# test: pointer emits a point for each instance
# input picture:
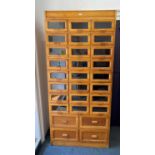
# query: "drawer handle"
(64, 135)
(94, 136)
(94, 122)
(65, 121)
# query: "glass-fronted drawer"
(79, 87)
(57, 64)
(101, 76)
(57, 52)
(102, 38)
(101, 87)
(79, 109)
(57, 108)
(79, 98)
(79, 25)
(58, 98)
(79, 64)
(58, 87)
(99, 109)
(58, 76)
(56, 25)
(79, 39)
(102, 52)
(79, 52)
(78, 76)
(101, 64)
(57, 38)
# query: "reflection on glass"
(79, 108)
(79, 25)
(103, 25)
(100, 109)
(100, 87)
(58, 63)
(79, 51)
(58, 97)
(100, 98)
(58, 75)
(79, 98)
(56, 25)
(79, 87)
(79, 75)
(58, 108)
(102, 39)
(58, 86)
(101, 76)
(56, 38)
(102, 52)
(79, 63)
(57, 51)
(79, 39)
(101, 64)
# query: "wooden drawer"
(57, 64)
(101, 88)
(64, 134)
(79, 108)
(78, 87)
(58, 98)
(101, 64)
(101, 76)
(58, 87)
(58, 76)
(78, 76)
(90, 135)
(94, 122)
(79, 98)
(79, 52)
(79, 38)
(102, 52)
(99, 109)
(58, 108)
(79, 64)
(57, 52)
(64, 121)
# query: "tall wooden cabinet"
(80, 54)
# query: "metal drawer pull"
(94, 136)
(94, 122)
(64, 135)
(65, 121)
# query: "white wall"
(41, 6)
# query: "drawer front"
(101, 76)
(79, 98)
(88, 135)
(58, 108)
(57, 52)
(58, 98)
(99, 110)
(58, 87)
(94, 122)
(79, 108)
(64, 134)
(78, 87)
(64, 121)
(58, 76)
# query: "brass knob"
(94, 136)
(94, 122)
(64, 135)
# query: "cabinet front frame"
(58, 101)
(58, 112)
(99, 113)
(81, 102)
(57, 91)
(79, 105)
(78, 91)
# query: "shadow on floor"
(48, 149)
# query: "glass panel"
(103, 25)
(100, 87)
(79, 87)
(57, 51)
(102, 39)
(58, 63)
(58, 86)
(79, 51)
(100, 98)
(102, 51)
(58, 97)
(79, 25)
(79, 98)
(58, 108)
(100, 109)
(101, 64)
(79, 38)
(101, 76)
(56, 38)
(56, 25)
(79, 63)
(79, 108)
(79, 75)
(58, 75)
